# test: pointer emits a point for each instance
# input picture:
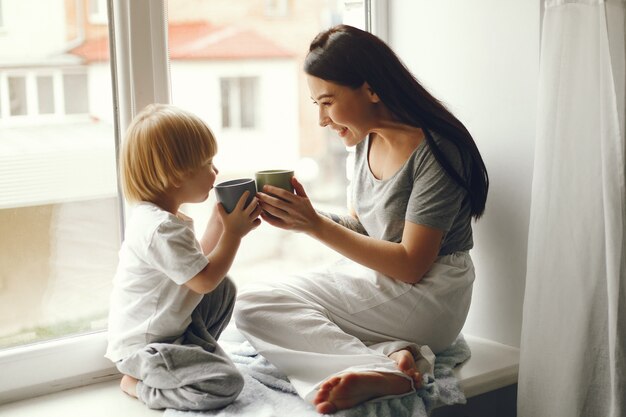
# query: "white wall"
(100, 91)
(44, 34)
(481, 58)
(274, 144)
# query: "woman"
(364, 328)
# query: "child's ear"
(371, 94)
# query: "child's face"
(196, 187)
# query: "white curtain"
(573, 349)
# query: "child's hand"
(241, 220)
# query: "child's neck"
(168, 204)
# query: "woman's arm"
(349, 221)
(406, 261)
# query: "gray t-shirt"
(420, 192)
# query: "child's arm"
(212, 233)
(235, 226)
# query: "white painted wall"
(481, 58)
(274, 144)
(195, 87)
(45, 32)
(100, 91)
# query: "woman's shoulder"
(452, 152)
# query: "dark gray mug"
(229, 192)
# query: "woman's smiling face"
(350, 112)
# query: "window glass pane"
(75, 93)
(59, 225)
(246, 81)
(97, 11)
(94, 7)
(17, 95)
(276, 8)
(45, 94)
(247, 100)
(225, 101)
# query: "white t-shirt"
(150, 302)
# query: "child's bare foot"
(406, 363)
(346, 391)
(129, 385)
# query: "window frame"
(137, 80)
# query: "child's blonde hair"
(163, 144)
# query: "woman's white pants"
(348, 318)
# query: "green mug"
(280, 178)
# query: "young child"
(171, 297)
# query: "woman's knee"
(255, 306)
(245, 308)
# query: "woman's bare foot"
(346, 391)
(406, 363)
(129, 385)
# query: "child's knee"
(230, 288)
(222, 391)
(236, 383)
(227, 291)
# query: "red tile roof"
(200, 40)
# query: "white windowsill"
(492, 366)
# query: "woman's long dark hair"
(349, 56)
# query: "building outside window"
(17, 95)
(276, 8)
(32, 93)
(45, 94)
(239, 104)
(98, 12)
